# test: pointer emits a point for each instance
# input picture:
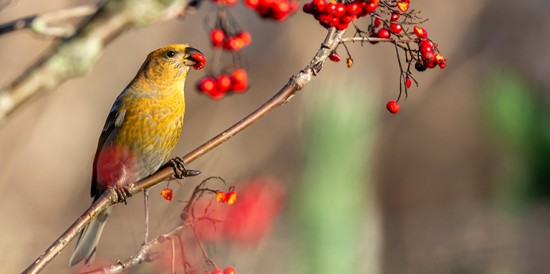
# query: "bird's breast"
(151, 130)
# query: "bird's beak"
(194, 58)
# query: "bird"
(140, 132)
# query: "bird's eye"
(170, 53)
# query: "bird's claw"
(179, 169)
(123, 193)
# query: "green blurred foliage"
(520, 124)
(330, 199)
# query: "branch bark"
(42, 23)
(296, 82)
(73, 56)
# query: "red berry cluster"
(221, 39)
(218, 87)
(429, 55)
(228, 270)
(339, 14)
(278, 10)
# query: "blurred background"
(457, 182)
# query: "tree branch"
(296, 82)
(73, 56)
(41, 23)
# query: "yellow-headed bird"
(141, 131)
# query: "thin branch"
(42, 24)
(73, 56)
(374, 39)
(296, 82)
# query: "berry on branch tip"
(167, 194)
(334, 57)
(392, 106)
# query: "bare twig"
(43, 23)
(374, 39)
(73, 56)
(296, 82)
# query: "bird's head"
(170, 64)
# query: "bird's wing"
(112, 124)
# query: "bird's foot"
(179, 169)
(123, 193)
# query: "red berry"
(220, 196)
(440, 61)
(396, 28)
(342, 26)
(207, 84)
(371, 6)
(217, 271)
(294, 6)
(346, 19)
(353, 8)
(340, 10)
(319, 5)
(280, 11)
(430, 63)
(230, 2)
(233, 43)
(428, 57)
(245, 37)
(239, 78)
(383, 33)
(253, 4)
(426, 47)
(392, 106)
(217, 36)
(325, 20)
(394, 17)
(167, 194)
(230, 199)
(330, 8)
(334, 57)
(420, 32)
(408, 82)
(377, 22)
(308, 8)
(224, 82)
(230, 270)
(403, 6)
(335, 21)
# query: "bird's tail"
(89, 237)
